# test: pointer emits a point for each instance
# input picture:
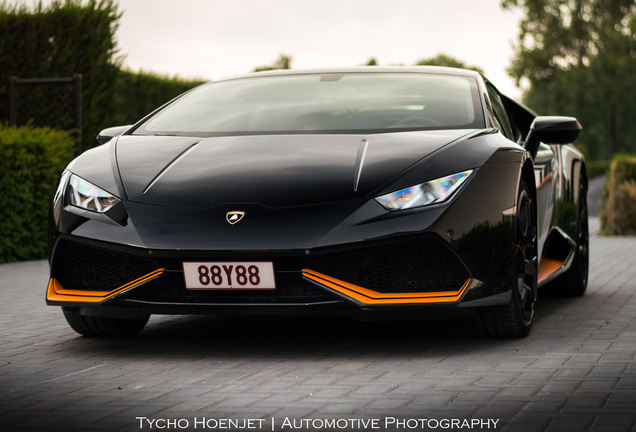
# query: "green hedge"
(138, 94)
(78, 36)
(597, 168)
(618, 214)
(59, 40)
(31, 162)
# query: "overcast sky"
(212, 39)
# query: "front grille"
(422, 265)
(82, 267)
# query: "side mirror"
(551, 130)
(107, 134)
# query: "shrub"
(597, 168)
(618, 214)
(31, 162)
(136, 95)
(76, 37)
(60, 40)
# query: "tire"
(574, 282)
(515, 319)
(102, 326)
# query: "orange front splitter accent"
(57, 293)
(548, 266)
(370, 297)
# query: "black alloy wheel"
(526, 262)
(515, 319)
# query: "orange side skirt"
(548, 266)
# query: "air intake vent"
(87, 268)
(422, 265)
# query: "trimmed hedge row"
(618, 214)
(60, 40)
(138, 94)
(597, 168)
(31, 162)
(78, 36)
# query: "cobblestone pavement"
(576, 371)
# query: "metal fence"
(47, 102)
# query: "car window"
(500, 113)
(363, 102)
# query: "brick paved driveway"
(576, 371)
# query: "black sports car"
(371, 192)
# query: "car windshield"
(323, 103)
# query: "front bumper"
(400, 272)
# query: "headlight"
(87, 196)
(432, 192)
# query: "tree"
(282, 62)
(448, 61)
(578, 57)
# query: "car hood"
(272, 170)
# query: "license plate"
(225, 275)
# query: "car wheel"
(103, 326)
(574, 282)
(515, 319)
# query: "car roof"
(362, 69)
